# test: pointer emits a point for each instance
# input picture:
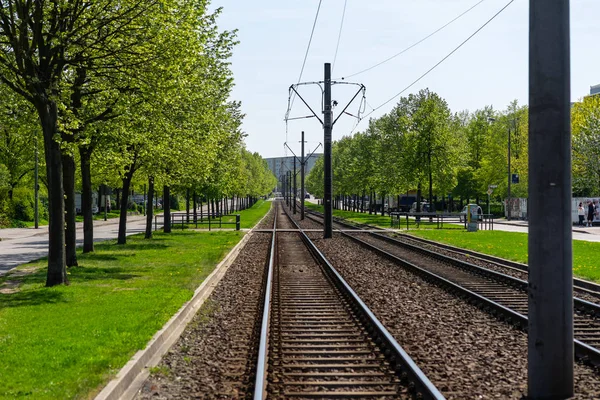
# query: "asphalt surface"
(21, 245)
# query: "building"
(594, 90)
(281, 165)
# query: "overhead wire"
(337, 46)
(312, 32)
(441, 61)
(414, 44)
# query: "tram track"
(318, 339)
(501, 294)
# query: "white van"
(425, 207)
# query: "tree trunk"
(187, 206)
(431, 205)
(69, 188)
(118, 197)
(195, 206)
(85, 154)
(149, 208)
(57, 271)
(167, 208)
(122, 237)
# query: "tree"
(586, 146)
(42, 42)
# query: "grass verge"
(66, 342)
(248, 218)
(380, 220)
(513, 246)
(507, 245)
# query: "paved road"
(21, 245)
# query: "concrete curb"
(132, 376)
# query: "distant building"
(594, 90)
(280, 165)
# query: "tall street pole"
(508, 205)
(295, 186)
(289, 179)
(302, 165)
(36, 213)
(550, 339)
(327, 128)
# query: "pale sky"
(491, 69)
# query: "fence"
(486, 221)
(211, 220)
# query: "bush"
(22, 205)
(174, 202)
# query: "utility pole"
(302, 167)
(295, 186)
(550, 338)
(328, 122)
(327, 128)
(36, 213)
(289, 185)
(508, 203)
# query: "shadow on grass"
(99, 273)
(30, 298)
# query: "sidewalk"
(592, 230)
(21, 245)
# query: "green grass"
(513, 246)
(382, 221)
(15, 223)
(66, 342)
(507, 245)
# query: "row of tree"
(123, 91)
(422, 144)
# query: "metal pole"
(106, 202)
(550, 339)
(302, 164)
(289, 191)
(509, 179)
(327, 128)
(36, 214)
(295, 187)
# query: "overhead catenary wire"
(312, 32)
(441, 61)
(412, 45)
(337, 46)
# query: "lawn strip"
(68, 341)
(513, 246)
(383, 221)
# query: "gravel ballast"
(464, 351)
(216, 354)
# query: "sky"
(490, 69)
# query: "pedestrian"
(581, 213)
(590, 214)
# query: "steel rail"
(417, 379)
(260, 385)
(512, 281)
(582, 350)
(579, 284)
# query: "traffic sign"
(490, 191)
(492, 186)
